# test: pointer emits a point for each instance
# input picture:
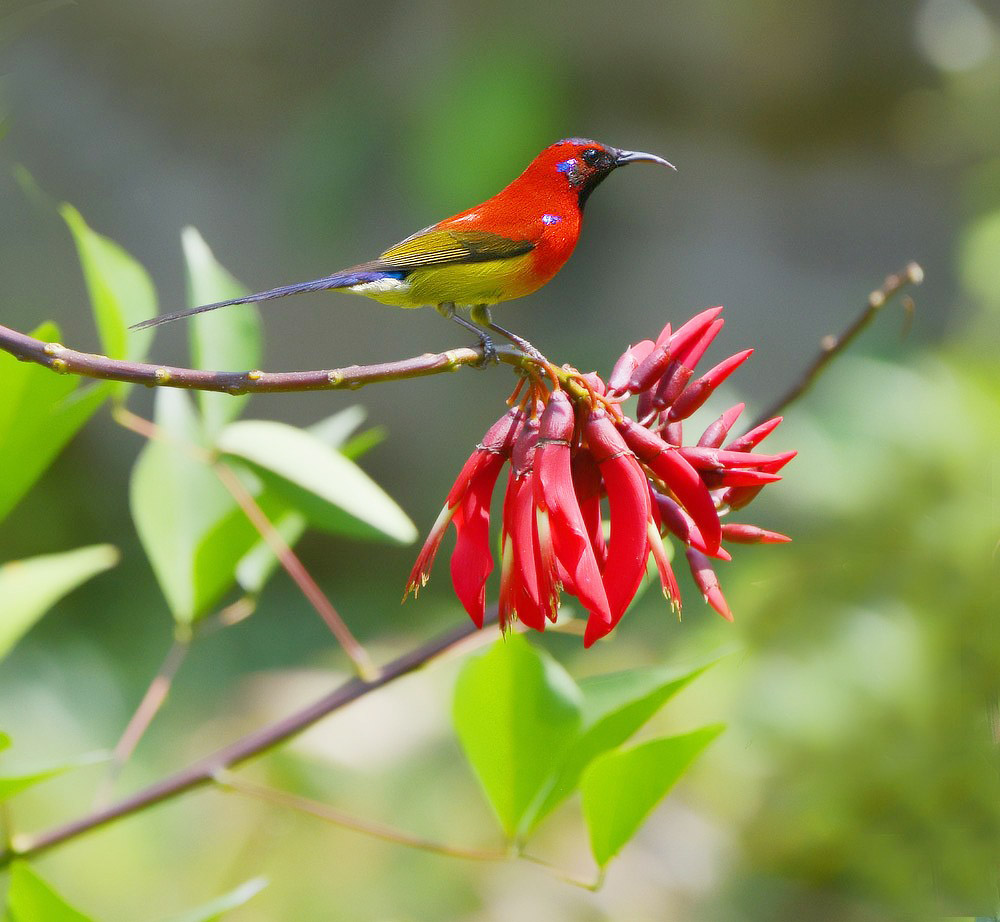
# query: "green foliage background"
(820, 145)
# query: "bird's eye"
(591, 156)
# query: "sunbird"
(507, 247)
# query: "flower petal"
(628, 497)
(679, 476)
(421, 571)
(556, 496)
(667, 579)
(499, 439)
(471, 561)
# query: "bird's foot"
(519, 341)
(490, 354)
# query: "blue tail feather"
(344, 279)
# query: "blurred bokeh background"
(820, 145)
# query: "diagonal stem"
(233, 782)
(282, 550)
(294, 567)
(159, 688)
(253, 744)
(831, 346)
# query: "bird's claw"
(490, 354)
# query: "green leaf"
(14, 784)
(40, 411)
(223, 340)
(257, 566)
(620, 789)
(516, 712)
(4, 742)
(191, 528)
(29, 588)
(364, 442)
(259, 563)
(335, 430)
(31, 899)
(223, 904)
(615, 706)
(121, 291)
(333, 493)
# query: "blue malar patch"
(567, 166)
(550, 219)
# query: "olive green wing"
(432, 247)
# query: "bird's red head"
(579, 165)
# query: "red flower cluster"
(570, 448)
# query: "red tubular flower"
(678, 475)
(468, 505)
(570, 447)
(628, 498)
(558, 505)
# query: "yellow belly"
(463, 283)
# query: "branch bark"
(831, 346)
(64, 360)
(253, 744)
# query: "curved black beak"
(623, 157)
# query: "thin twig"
(149, 706)
(159, 688)
(281, 549)
(831, 346)
(63, 360)
(233, 782)
(253, 744)
(363, 664)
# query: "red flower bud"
(698, 392)
(755, 436)
(629, 362)
(650, 369)
(708, 582)
(673, 433)
(716, 432)
(692, 330)
(751, 534)
(738, 477)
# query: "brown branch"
(253, 744)
(286, 557)
(294, 567)
(63, 360)
(831, 346)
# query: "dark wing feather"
(442, 247)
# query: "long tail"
(344, 279)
